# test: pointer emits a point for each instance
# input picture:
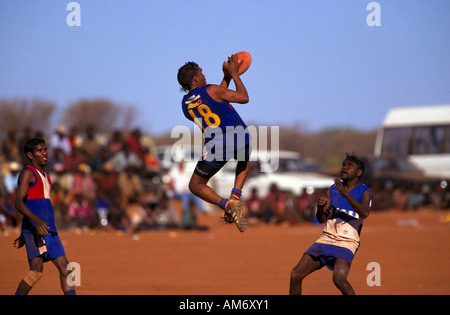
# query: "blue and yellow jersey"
(216, 119)
(343, 226)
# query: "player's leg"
(305, 266)
(198, 186)
(32, 277)
(242, 156)
(61, 263)
(242, 170)
(236, 207)
(340, 272)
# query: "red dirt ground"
(220, 261)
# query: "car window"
(289, 165)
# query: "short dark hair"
(354, 159)
(185, 75)
(31, 145)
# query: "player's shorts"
(53, 245)
(209, 167)
(327, 254)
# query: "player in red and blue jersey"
(344, 209)
(225, 133)
(38, 233)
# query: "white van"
(422, 134)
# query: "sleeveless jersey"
(38, 201)
(223, 129)
(343, 226)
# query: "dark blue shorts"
(53, 245)
(327, 254)
(209, 166)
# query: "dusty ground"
(412, 249)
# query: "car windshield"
(288, 165)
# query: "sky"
(315, 64)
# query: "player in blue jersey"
(38, 233)
(225, 133)
(344, 209)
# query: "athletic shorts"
(327, 254)
(208, 168)
(53, 244)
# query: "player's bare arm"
(25, 179)
(362, 208)
(226, 76)
(323, 208)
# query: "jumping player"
(346, 205)
(38, 234)
(225, 133)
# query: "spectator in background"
(9, 217)
(90, 147)
(107, 182)
(254, 205)
(103, 207)
(81, 212)
(57, 160)
(179, 184)
(101, 158)
(73, 137)
(275, 205)
(165, 215)
(60, 140)
(11, 177)
(134, 143)
(83, 183)
(437, 197)
(130, 185)
(117, 215)
(400, 198)
(63, 177)
(59, 199)
(73, 159)
(304, 202)
(150, 161)
(125, 158)
(416, 198)
(116, 142)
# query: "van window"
(404, 141)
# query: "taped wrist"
(32, 277)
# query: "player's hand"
(340, 186)
(233, 64)
(19, 242)
(42, 228)
(226, 73)
(322, 202)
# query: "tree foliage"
(21, 113)
(104, 114)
